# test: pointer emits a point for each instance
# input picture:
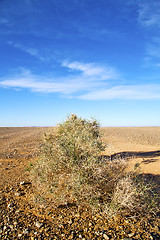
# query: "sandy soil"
(19, 147)
(19, 219)
(140, 144)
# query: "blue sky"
(97, 58)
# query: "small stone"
(17, 194)
(70, 221)
(11, 227)
(22, 183)
(126, 239)
(10, 205)
(25, 231)
(4, 228)
(25, 183)
(105, 236)
(130, 235)
(19, 235)
(38, 224)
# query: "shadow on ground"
(155, 190)
(127, 155)
(151, 154)
(148, 157)
(154, 178)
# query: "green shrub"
(70, 169)
(76, 142)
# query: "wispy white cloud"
(89, 78)
(92, 70)
(132, 92)
(44, 85)
(149, 19)
(31, 51)
(153, 48)
(152, 58)
(91, 82)
(149, 13)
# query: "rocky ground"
(20, 218)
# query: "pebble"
(17, 194)
(10, 205)
(130, 235)
(38, 224)
(11, 227)
(70, 221)
(126, 239)
(105, 236)
(4, 228)
(25, 231)
(22, 183)
(25, 183)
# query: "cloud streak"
(44, 85)
(149, 13)
(88, 77)
(130, 92)
(149, 19)
(31, 51)
(91, 79)
(92, 70)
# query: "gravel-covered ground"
(20, 218)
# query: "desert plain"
(19, 150)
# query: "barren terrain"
(139, 144)
(19, 149)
